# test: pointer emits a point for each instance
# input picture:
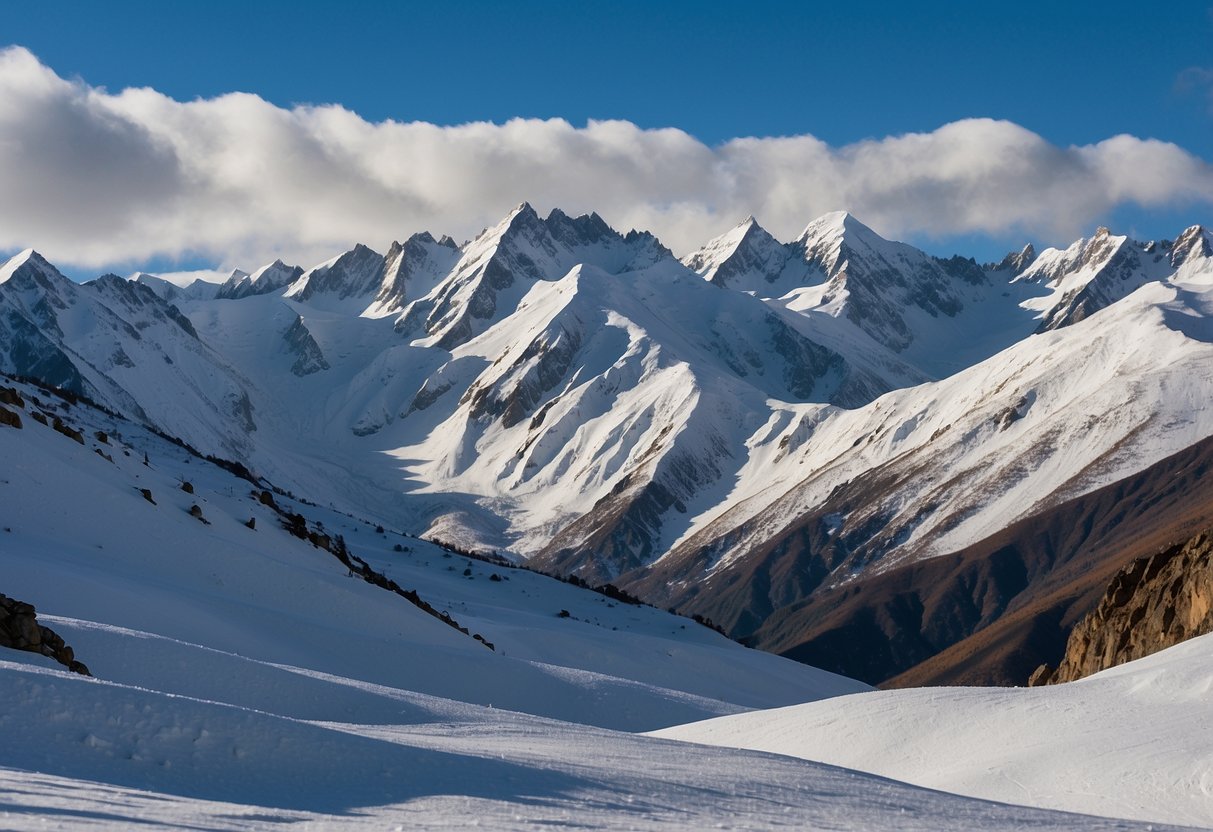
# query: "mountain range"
(840, 448)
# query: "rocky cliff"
(1153, 603)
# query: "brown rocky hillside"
(1153, 603)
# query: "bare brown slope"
(991, 613)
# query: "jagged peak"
(583, 229)
(744, 230)
(521, 217)
(31, 259)
(15, 262)
(835, 226)
(1016, 262)
(1194, 242)
(420, 237)
(741, 231)
(522, 214)
(448, 241)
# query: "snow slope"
(1135, 741)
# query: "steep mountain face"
(1153, 603)
(743, 433)
(1093, 274)
(354, 274)
(929, 470)
(499, 267)
(919, 307)
(119, 343)
(412, 270)
(628, 395)
(749, 259)
(989, 613)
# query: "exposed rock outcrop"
(1153, 603)
(20, 630)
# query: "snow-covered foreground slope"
(106, 755)
(1135, 741)
(244, 677)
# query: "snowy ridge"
(268, 278)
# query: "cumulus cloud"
(93, 178)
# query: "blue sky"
(1071, 73)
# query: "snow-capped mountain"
(268, 278)
(496, 270)
(733, 432)
(117, 342)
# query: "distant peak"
(1194, 242)
(20, 259)
(835, 223)
(524, 209)
(1017, 262)
(448, 241)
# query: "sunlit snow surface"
(1135, 741)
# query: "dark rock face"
(1153, 603)
(309, 358)
(20, 630)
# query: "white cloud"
(94, 178)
